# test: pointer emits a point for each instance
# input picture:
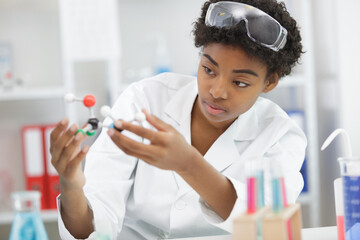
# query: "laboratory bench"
(322, 233)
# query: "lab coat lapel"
(185, 129)
(223, 152)
(178, 110)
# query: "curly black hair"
(280, 62)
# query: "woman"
(182, 174)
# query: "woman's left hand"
(168, 149)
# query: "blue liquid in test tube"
(260, 186)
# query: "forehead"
(232, 55)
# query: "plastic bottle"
(162, 60)
(27, 223)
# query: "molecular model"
(93, 122)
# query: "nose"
(219, 88)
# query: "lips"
(214, 109)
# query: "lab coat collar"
(246, 125)
(180, 106)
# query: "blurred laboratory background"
(49, 48)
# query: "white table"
(323, 233)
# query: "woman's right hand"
(67, 155)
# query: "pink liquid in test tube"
(283, 191)
(251, 195)
(339, 208)
(340, 227)
(288, 223)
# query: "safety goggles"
(261, 28)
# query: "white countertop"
(323, 233)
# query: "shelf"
(18, 94)
(46, 215)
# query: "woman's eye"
(241, 84)
(208, 70)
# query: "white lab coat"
(134, 200)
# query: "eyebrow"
(247, 71)
(211, 59)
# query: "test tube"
(254, 169)
(251, 183)
(339, 208)
(260, 184)
(279, 191)
(278, 187)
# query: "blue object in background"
(162, 69)
(299, 117)
(351, 188)
(162, 59)
(28, 226)
(353, 233)
(27, 223)
(303, 171)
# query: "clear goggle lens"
(261, 27)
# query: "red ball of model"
(89, 100)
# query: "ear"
(271, 82)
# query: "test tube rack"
(274, 225)
(246, 225)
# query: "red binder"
(39, 173)
(33, 159)
(53, 186)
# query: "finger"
(70, 151)
(138, 130)
(55, 133)
(130, 146)
(76, 161)
(148, 159)
(156, 122)
(84, 125)
(81, 131)
(62, 141)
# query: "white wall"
(348, 35)
(32, 28)
(172, 19)
(326, 67)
